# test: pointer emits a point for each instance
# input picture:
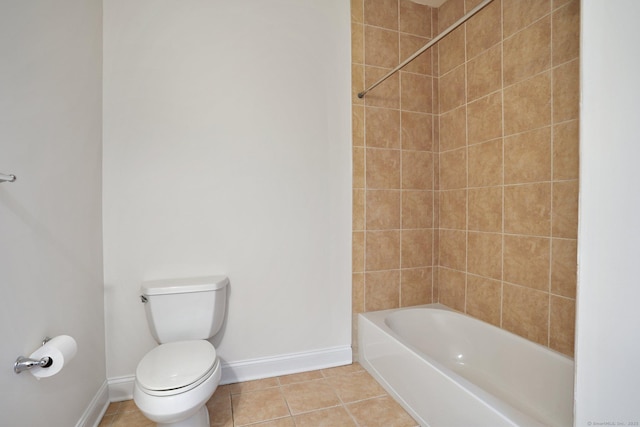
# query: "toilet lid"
(175, 364)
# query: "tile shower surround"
(394, 157)
(465, 186)
(344, 396)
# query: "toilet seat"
(176, 367)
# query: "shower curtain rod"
(455, 25)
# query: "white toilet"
(175, 380)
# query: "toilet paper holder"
(25, 363)
(7, 178)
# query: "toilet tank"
(185, 309)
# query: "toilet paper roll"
(60, 349)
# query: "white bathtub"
(448, 369)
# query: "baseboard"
(121, 388)
(96, 409)
(266, 367)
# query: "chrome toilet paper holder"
(24, 363)
(7, 178)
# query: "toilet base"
(199, 419)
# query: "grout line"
(346, 409)
(436, 69)
(428, 38)
(434, 159)
(501, 323)
(551, 189)
(364, 208)
(466, 151)
(286, 402)
(399, 299)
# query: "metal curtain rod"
(455, 25)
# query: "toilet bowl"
(175, 380)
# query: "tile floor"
(345, 396)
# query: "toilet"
(175, 380)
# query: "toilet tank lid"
(185, 285)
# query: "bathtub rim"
(380, 316)
(496, 405)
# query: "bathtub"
(448, 369)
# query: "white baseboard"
(121, 388)
(96, 409)
(266, 367)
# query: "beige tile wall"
(508, 193)
(466, 163)
(393, 157)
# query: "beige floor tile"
(258, 406)
(113, 408)
(280, 422)
(131, 419)
(224, 390)
(342, 370)
(345, 396)
(332, 417)
(252, 385)
(219, 407)
(380, 412)
(128, 406)
(356, 386)
(106, 421)
(301, 377)
(310, 396)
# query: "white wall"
(193, 188)
(608, 348)
(50, 219)
(227, 151)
